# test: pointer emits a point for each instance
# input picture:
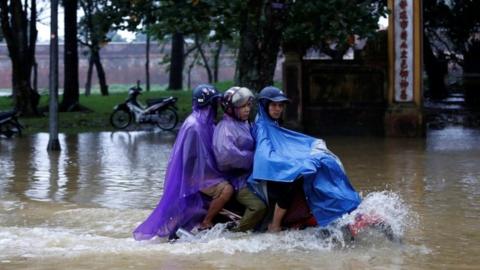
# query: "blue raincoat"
(283, 155)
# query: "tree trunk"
(261, 31)
(472, 57)
(100, 72)
(204, 59)
(248, 53)
(471, 73)
(176, 62)
(31, 47)
(147, 61)
(70, 89)
(189, 70)
(216, 60)
(35, 75)
(88, 83)
(436, 71)
(21, 48)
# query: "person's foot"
(274, 228)
(232, 226)
(205, 225)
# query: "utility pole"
(53, 143)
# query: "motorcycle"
(160, 111)
(299, 217)
(9, 124)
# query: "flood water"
(76, 209)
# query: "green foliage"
(135, 13)
(115, 37)
(312, 23)
(454, 25)
(300, 24)
(224, 85)
(99, 20)
(464, 23)
(457, 20)
(214, 18)
(6, 103)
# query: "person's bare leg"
(216, 205)
(278, 215)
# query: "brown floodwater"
(76, 209)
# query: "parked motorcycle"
(160, 111)
(9, 124)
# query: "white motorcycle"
(161, 112)
(9, 124)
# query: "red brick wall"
(124, 63)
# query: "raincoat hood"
(191, 167)
(283, 155)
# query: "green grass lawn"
(97, 118)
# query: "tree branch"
(204, 58)
(6, 29)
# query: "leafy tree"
(99, 19)
(115, 37)
(464, 31)
(138, 13)
(205, 22)
(18, 21)
(323, 23)
(265, 26)
(147, 13)
(216, 25)
(435, 19)
(261, 28)
(451, 26)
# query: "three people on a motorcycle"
(218, 161)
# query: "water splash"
(92, 231)
(218, 239)
(388, 207)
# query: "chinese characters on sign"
(403, 14)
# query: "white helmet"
(236, 97)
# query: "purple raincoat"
(234, 147)
(191, 167)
